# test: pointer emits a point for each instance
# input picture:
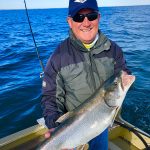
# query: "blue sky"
(18, 4)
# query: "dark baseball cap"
(77, 5)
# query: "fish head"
(117, 87)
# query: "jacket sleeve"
(120, 62)
(53, 93)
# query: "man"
(80, 65)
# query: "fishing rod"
(37, 52)
(136, 132)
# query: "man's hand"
(48, 134)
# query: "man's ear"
(69, 20)
(99, 17)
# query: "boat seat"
(112, 146)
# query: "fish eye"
(116, 83)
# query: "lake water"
(20, 84)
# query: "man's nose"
(86, 22)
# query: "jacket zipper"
(92, 72)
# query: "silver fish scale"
(86, 127)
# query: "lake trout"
(91, 118)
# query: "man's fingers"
(48, 134)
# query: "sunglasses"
(80, 17)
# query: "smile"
(86, 30)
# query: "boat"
(122, 136)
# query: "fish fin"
(64, 117)
(41, 121)
(116, 112)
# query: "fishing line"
(41, 64)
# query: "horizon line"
(67, 7)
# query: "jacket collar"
(103, 43)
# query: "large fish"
(92, 117)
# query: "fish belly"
(87, 126)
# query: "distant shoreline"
(66, 7)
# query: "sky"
(19, 4)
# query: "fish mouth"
(126, 80)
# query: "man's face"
(85, 31)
